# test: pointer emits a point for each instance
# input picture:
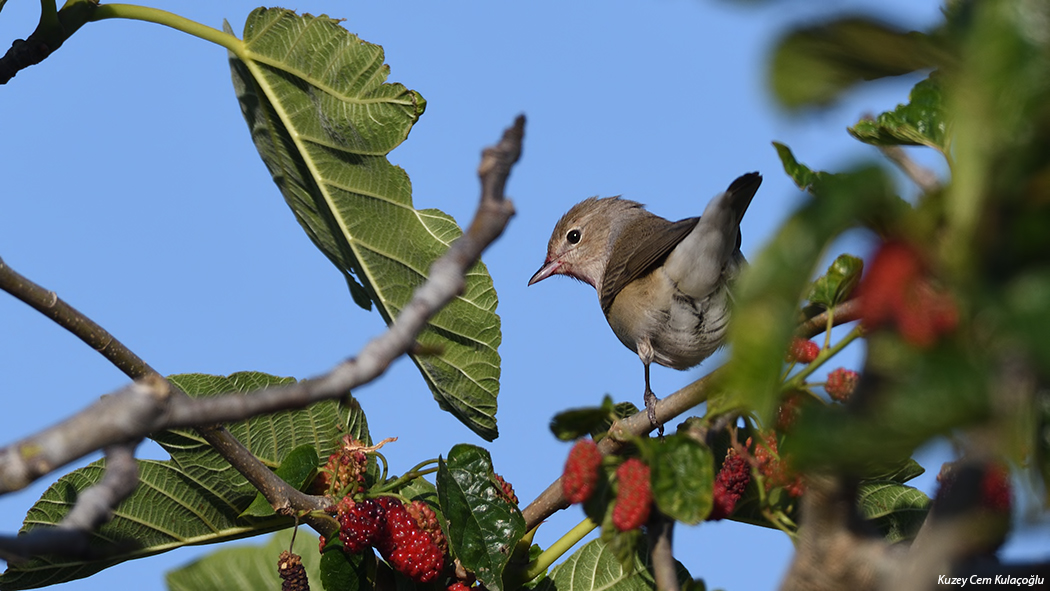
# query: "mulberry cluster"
(802, 351)
(409, 538)
(344, 473)
(359, 523)
(897, 290)
(581, 471)
(730, 484)
(773, 468)
(409, 546)
(841, 383)
(634, 495)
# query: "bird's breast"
(681, 330)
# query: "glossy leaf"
(342, 572)
(193, 498)
(682, 476)
(923, 121)
(323, 119)
(245, 568)
(813, 65)
(483, 527)
(835, 286)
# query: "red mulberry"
(581, 471)
(634, 497)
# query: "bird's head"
(582, 239)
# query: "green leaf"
(595, 567)
(682, 476)
(342, 572)
(296, 469)
(835, 286)
(923, 121)
(803, 176)
(323, 120)
(813, 65)
(483, 527)
(897, 510)
(591, 420)
(245, 567)
(194, 498)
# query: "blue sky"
(133, 190)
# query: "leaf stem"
(168, 19)
(557, 549)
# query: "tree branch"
(152, 404)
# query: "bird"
(663, 286)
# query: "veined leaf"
(897, 510)
(323, 119)
(595, 566)
(194, 498)
(246, 567)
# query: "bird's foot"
(650, 411)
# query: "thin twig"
(925, 178)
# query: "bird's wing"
(651, 239)
(696, 266)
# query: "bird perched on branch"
(663, 286)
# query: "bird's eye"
(573, 236)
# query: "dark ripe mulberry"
(581, 471)
(634, 495)
(293, 573)
(729, 485)
(359, 523)
(406, 545)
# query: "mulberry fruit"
(359, 523)
(729, 486)
(407, 546)
(293, 573)
(581, 471)
(841, 383)
(803, 350)
(634, 497)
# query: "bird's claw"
(650, 411)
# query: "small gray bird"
(663, 286)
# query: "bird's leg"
(650, 405)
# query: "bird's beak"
(549, 268)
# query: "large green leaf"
(595, 567)
(194, 498)
(323, 120)
(246, 567)
(921, 122)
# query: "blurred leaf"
(592, 420)
(595, 567)
(923, 121)
(483, 527)
(296, 469)
(814, 65)
(835, 286)
(910, 396)
(770, 290)
(194, 498)
(897, 510)
(245, 568)
(323, 120)
(800, 173)
(682, 475)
